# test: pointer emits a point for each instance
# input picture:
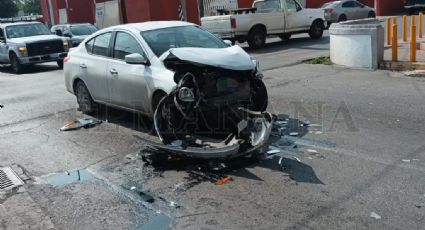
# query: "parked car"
(413, 6)
(28, 43)
(267, 17)
(76, 32)
(207, 99)
(338, 11)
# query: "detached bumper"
(43, 58)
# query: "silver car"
(338, 11)
(207, 99)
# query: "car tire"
(316, 30)
(261, 98)
(156, 98)
(285, 37)
(84, 99)
(17, 67)
(256, 38)
(60, 64)
(342, 18)
(371, 14)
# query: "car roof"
(18, 23)
(152, 25)
(73, 24)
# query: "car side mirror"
(228, 42)
(136, 59)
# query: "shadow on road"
(298, 43)
(31, 69)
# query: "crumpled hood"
(233, 58)
(30, 39)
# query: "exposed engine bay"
(213, 112)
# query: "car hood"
(232, 58)
(34, 38)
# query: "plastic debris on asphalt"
(375, 215)
(293, 134)
(311, 151)
(223, 180)
(81, 123)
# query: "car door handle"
(113, 71)
(83, 66)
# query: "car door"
(3, 47)
(270, 13)
(94, 64)
(295, 18)
(348, 8)
(127, 83)
(361, 10)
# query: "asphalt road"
(362, 158)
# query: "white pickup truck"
(266, 17)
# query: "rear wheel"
(60, 64)
(256, 38)
(316, 30)
(342, 18)
(17, 67)
(84, 99)
(285, 37)
(371, 14)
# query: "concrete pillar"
(378, 7)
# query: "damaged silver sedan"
(207, 99)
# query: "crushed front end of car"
(217, 109)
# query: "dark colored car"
(76, 32)
(413, 6)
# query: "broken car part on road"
(81, 123)
(217, 109)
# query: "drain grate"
(9, 179)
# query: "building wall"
(138, 10)
(80, 11)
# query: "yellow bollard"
(405, 28)
(388, 31)
(395, 21)
(421, 24)
(413, 43)
(395, 44)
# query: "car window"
(161, 40)
(268, 6)
(26, 30)
(348, 4)
(126, 44)
(89, 46)
(79, 30)
(292, 6)
(358, 4)
(101, 44)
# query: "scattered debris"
(293, 134)
(406, 160)
(61, 179)
(415, 73)
(375, 215)
(223, 180)
(132, 188)
(273, 150)
(318, 132)
(312, 151)
(81, 123)
(146, 196)
(419, 205)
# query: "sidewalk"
(403, 62)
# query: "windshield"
(79, 30)
(26, 30)
(161, 40)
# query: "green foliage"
(29, 6)
(8, 8)
(319, 60)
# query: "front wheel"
(256, 38)
(371, 14)
(316, 30)
(17, 67)
(84, 99)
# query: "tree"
(29, 6)
(8, 8)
